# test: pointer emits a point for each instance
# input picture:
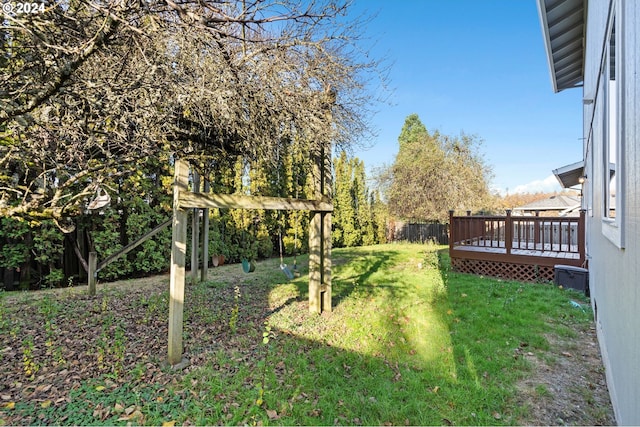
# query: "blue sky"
(477, 66)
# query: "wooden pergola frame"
(319, 237)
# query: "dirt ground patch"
(567, 385)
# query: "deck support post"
(178, 255)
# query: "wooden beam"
(513, 258)
(239, 201)
(178, 255)
(108, 260)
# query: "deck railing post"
(536, 230)
(508, 232)
(452, 234)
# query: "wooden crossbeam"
(239, 201)
(102, 264)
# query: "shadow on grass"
(391, 352)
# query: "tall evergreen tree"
(380, 217)
(354, 223)
(361, 209)
(413, 130)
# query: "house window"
(612, 140)
(611, 128)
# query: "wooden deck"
(533, 250)
(523, 248)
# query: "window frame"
(612, 146)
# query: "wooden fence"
(420, 232)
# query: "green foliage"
(107, 241)
(412, 131)
(434, 173)
(359, 214)
(14, 249)
(48, 248)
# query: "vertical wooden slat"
(492, 236)
(178, 255)
(536, 230)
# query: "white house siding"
(614, 271)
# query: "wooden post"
(92, 272)
(195, 232)
(320, 237)
(178, 255)
(452, 233)
(325, 289)
(325, 260)
(315, 250)
(315, 240)
(204, 276)
(508, 232)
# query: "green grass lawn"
(408, 343)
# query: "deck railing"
(540, 234)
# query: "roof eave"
(563, 23)
(547, 43)
(569, 176)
